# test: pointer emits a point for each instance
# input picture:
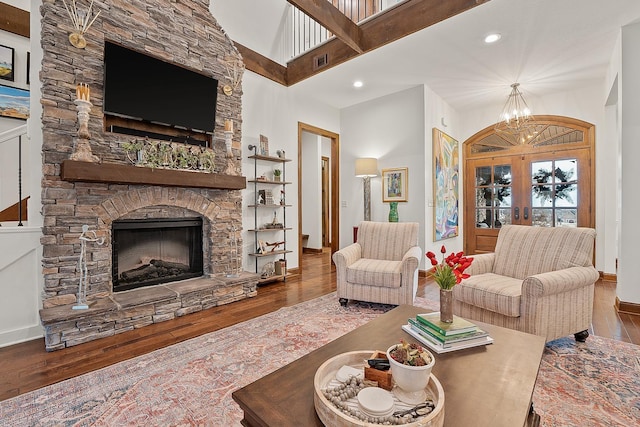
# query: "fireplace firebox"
(147, 252)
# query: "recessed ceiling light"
(357, 83)
(492, 38)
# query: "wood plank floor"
(27, 366)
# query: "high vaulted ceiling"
(547, 46)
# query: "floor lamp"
(365, 169)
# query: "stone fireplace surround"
(182, 32)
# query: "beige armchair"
(539, 280)
(382, 266)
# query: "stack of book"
(444, 337)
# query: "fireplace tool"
(234, 255)
(86, 236)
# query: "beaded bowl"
(340, 408)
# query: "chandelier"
(515, 117)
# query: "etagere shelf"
(275, 230)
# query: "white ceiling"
(547, 46)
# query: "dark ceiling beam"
(262, 65)
(333, 20)
(14, 20)
(389, 26)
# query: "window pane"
(504, 217)
(566, 195)
(483, 175)
(542, 217)
(541, 172)
(503, 197)
(566, 217)
(483, 197)
(483, 218)
(502, 175)
(566, 170)
(541, 196)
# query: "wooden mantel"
(73, 170)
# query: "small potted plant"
(276, 174)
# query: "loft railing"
(307, 33)
(14, 134)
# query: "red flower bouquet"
(450, 271)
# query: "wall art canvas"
(446, 177)
(7, 55)
(395, 185)
(14, 102)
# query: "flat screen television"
(140, 87)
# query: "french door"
(546, 181)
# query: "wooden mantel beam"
(333, 20)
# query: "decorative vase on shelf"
(446, 305)
(393, 212)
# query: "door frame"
(334, 177)
(521, 151)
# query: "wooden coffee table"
(488, 386)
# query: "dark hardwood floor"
(27, 366)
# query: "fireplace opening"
(151, 251)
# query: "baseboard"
(627, 307)
(608, 277)
(311, 250)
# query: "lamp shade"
(366, 167)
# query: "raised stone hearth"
(125, 311)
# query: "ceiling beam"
(262, 65)
(14, 20)
(384, 28)
(333, 20)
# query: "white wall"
(273, 110)
(391, 129)
(629, 76)
(312, 189)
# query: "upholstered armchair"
(539, 280)
(382, 266)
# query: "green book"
(458, 326)
(477, 333)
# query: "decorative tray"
(330, 415)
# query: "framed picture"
(14, 102)
(262, 197)
(7, 55)
(446, 176)
(395, 185)
(264, 146)
(28, 66)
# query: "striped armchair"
(382, 266)
(539, 280)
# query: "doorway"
(327, 178)
(545, 178)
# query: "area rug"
(190, 383)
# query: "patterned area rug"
(190, 383)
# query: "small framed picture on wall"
(7, 57)
(264, 145)
(395, 185)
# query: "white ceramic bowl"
(411, 381)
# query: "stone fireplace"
(112, 196)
